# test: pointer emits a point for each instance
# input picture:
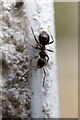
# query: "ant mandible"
(43, 40)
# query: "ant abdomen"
(41, 63)
(44, 38)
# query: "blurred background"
(66, 18)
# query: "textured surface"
(15, 90)
(45, 99)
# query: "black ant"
(42, 41)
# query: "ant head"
(44, 38)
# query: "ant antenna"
(33, 31)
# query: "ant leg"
(50, 35)
(33, 58)
(44, 77)
(48, 58)
(28, 70)
(49, 50)
(33, 46)
(51, 42)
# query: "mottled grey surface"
(16, 92)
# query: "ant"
(43, 40)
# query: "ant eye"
(44, 38)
